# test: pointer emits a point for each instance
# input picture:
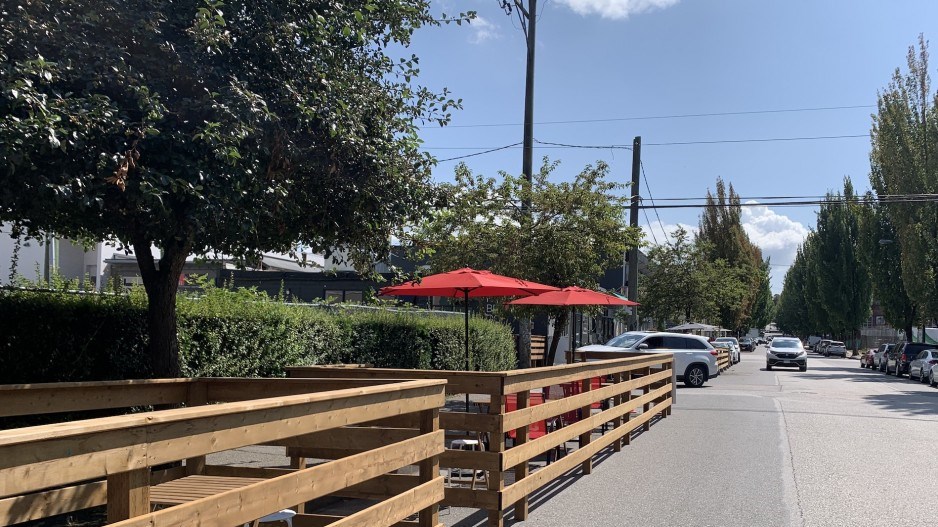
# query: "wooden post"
(586, 437)
(496, 478)
(128, 494)
(430, 467)
(617, 422)
(299, 463)
(197, 396)
(521, 471)
(646, 388)
(627, 438)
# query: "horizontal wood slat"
(50, 398)
(46, 456)
(243, 505)
(398, 507)
(530, 379)
(456, 381)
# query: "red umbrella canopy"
(572, 296)
(477, 283)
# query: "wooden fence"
(626, 394)
(131, 463)
(723, 359)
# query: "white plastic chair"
(286, 515)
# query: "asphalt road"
(834, 446)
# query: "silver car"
(921, 365)
(879, 356)
(835, 348)
(734, 356)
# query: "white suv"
(695, 360)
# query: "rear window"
(841, 344)
(915, 348)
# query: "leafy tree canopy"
(572, 232)
(200, 126)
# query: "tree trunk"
(161, 284)
(560, 324)
(524, 342)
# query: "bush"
(54, 337)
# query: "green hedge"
(52, 337)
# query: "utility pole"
(633, 222)
(527, 16)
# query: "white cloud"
(616, 9)
(777, 235)
(482, 30)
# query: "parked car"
(933, 376)
(732, 340)
(899, 358)
(728, 347)
(813, 341)
(786, 351)
(878, 361)
(835, 348)
(695, 360)
(866, 359)
(746, 344)
(921, 365)
(819, 348)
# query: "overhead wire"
(672, 116)
(641, 165)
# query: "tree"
(679, 283)
(843, 276)
(884, 262)
(572, 232)
(904, 160)
(722, 231)
(793, 305)
(198, 126)
(763, 311)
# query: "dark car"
(746, 344)
(898, 359)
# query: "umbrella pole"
(466, 297)
(570, 358)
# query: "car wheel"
(695, 376)
(803, 368)
(931, 379)
(768, 367)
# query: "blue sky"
(626, 59)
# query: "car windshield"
(779, 343)
(625, 340)
(841, 344)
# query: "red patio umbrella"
(467, 283)
(572, 296)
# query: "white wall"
(31, 254)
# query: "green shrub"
(53, 337)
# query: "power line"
(648, 187)
(549, 144)
(819, 197)
(758, 140)
(673, 116)
(652, 231)
(928, 198)
(478, 153)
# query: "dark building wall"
(300, 286)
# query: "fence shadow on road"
(913, 402)
(544, 494)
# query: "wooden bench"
(538, 350)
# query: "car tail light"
(933, 361)
(714, 353)
(904, 357)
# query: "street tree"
(679, 284)
(203, 127)
(904, 160)
(792, 314)
(843, 275)
(884, 262)
(570, 233)
(722, 231)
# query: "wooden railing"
(131, 463)
(598, 394)
(723, 359)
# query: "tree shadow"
(912, 402)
